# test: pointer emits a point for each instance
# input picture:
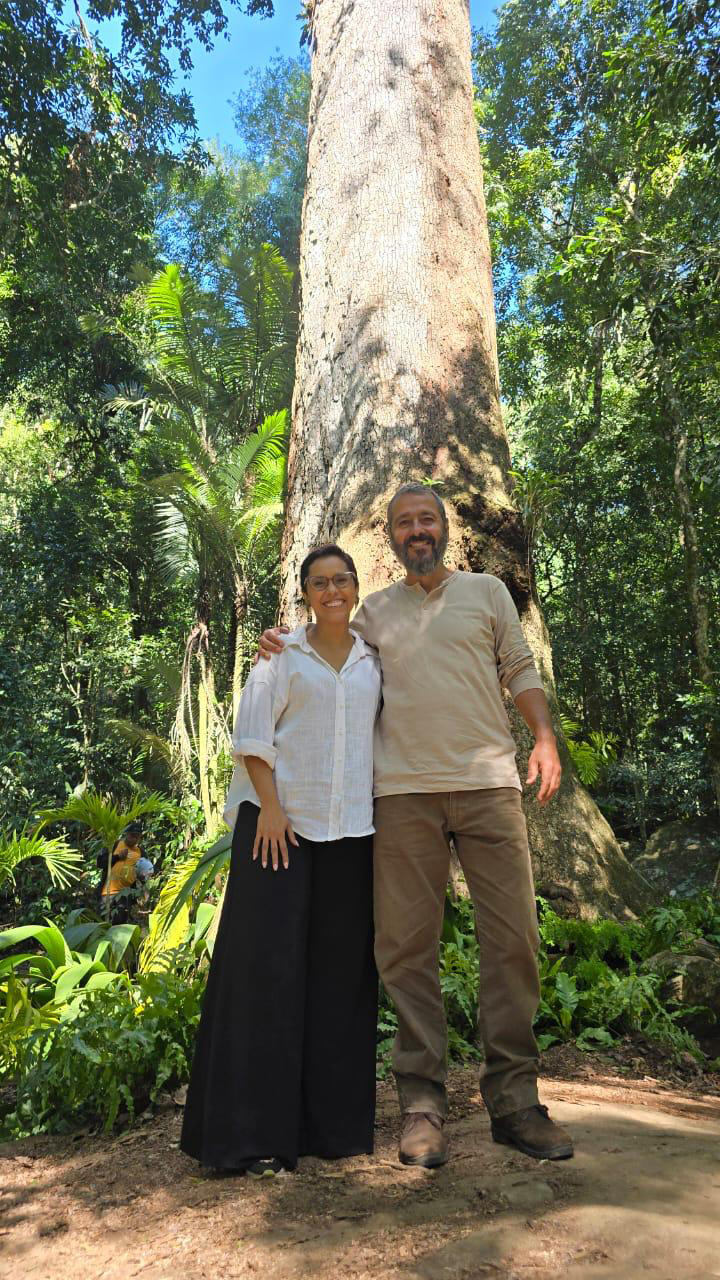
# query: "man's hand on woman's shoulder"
(270, 642)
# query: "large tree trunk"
(397, 363)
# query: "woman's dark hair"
(318, 553)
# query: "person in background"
(284, 1063)
(116, 888)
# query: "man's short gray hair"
(415, 486)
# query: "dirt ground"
(641, 1198)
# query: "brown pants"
(412, 862)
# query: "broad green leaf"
(80, 936)
(48, 935)
(122, 938)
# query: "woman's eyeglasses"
(340, 580)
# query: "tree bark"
(397, 374)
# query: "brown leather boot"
(532, 1131)
(422, 1140)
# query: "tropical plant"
(590, 755)
(214, 519)
(62, 862)
(101, 953)
(216, 370)
(41, 987)
(101, 816)
(191, 878)
(127, 1043)
(536, 494)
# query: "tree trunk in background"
(397, 363)
(697, 599)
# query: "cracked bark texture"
(397, 375)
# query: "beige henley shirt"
(445, 656)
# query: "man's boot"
(422, 1140)
(532, 1131)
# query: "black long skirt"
(284, 1062)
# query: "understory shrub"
(127, 1044)
(593, 989)
(593, 986)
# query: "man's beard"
(424, 556)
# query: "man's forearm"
(533, 707)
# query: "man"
(445, 767)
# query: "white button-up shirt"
(314, 726)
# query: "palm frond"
(63, 863)
(190, 878)
(184, 442)
(268, 439)
(150, 745)
(100, 815)
(176, 559)
(179, 309)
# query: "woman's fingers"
(270, 847)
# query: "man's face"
(417, 533)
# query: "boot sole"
(554, 1153)
(426, 1162)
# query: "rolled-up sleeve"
(254, 733)
(515, 663)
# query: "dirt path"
(640, 1199)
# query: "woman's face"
(330, 601)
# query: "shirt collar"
(416, 589)
(299, 639)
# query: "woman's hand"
(273, 832)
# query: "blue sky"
(219, 75)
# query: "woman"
(285, 1058)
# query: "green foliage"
(677, 926)
(62, 862)
(84, 135)
(191, 879)
(100, 815)
(590, 756)
(271, 116)
(593, 988)
(459, 975)
(604, 203)
(92, 623)
(606, 939)
(126, 1044)
(41, 988)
